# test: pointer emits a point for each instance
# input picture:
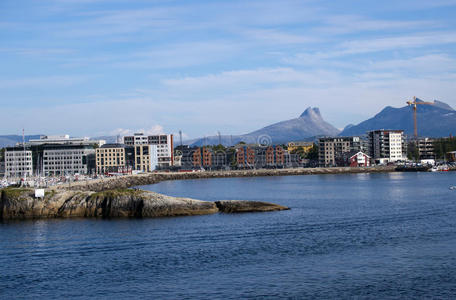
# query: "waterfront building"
(250, 156)
(279, 156)
(146, 157)
(196, 158)
(62, 155)
(240, 157)
(426, 148)
(359, 159)
(115, 158)
(164, 143)
(65, 159)
(207, 157)
(270, 159)
(18, 162)
(386, 145)
(333, 150)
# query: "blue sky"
(99, 67)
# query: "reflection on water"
(386, 235)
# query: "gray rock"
(237, 206)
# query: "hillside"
(437, 120)
(308, 125)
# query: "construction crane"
(414, 104)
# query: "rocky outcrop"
(18, 203)
(21, 204)
(236, 206)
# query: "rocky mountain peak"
(311, 112)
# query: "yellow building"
(306, 146)
(111, 158)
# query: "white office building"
(52, 155)
(18, 163)
(64, 140)
(66, 160)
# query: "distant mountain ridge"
(11, 140)
(436, 120)
(308, 125)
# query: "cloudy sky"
(99, 67)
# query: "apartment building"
(426, 148)
(18, 162)
(115, 158)
(146, 157)
(164, 143)
(386, 145)
(332, 151)
(240, 157)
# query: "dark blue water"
(346, 236)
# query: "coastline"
(129, 181)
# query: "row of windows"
(18, 156)
(19, 159)
(76, 162)
(63, 158)
(59, 152)
(18, 168)
(63, 168)
(19, 164)
(110, 150)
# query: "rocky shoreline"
(20, 203)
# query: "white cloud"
(155, 129)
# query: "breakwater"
(151, 178)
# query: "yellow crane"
(414, 104)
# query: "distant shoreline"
(152, 178)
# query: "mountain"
(435, 120)
(308, 125)
(11, 140)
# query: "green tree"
(2, 154)
(218, 148)
(444, 145)
(313, 153)
(412, 151)
(300, 151)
